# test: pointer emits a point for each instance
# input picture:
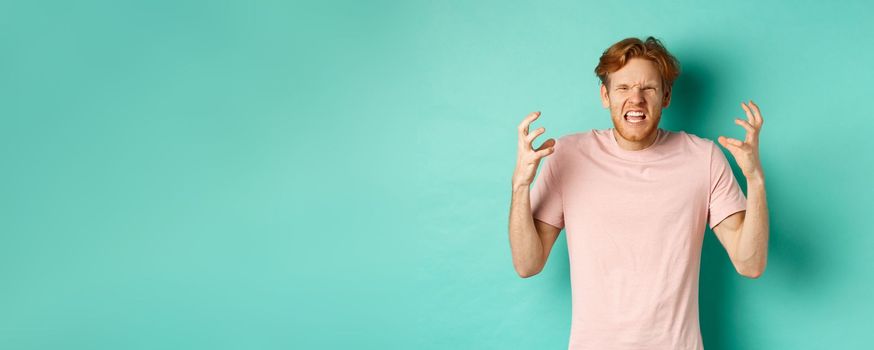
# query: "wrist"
(755, 178)
(520, 187)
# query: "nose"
(636, 95)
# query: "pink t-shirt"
(635, 222)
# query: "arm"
(530, 240)
(745, 234)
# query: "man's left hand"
(746, 153)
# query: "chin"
(635, 133)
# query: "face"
(635, 89)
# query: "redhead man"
(635, 201)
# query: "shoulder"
(570, 148)
(705, 150)
(577, 140)
(693, 143)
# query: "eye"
(622, 88)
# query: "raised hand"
(528, 158)
(746, 153)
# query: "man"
(634, 200)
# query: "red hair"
(616, 56)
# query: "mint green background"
(326, 175)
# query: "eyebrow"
(643, 85)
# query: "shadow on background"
(692, 110)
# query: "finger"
(534, 135)
(757, 113)
(729, 142)
(523, 127)
(734, 150)
(547, 144)
(543, 153)
(751, 131)
(750, 116)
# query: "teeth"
(635, 117)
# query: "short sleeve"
(546, 204)
(726, 197)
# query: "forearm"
(525, 244)
(753, 241)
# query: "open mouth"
(635, 117)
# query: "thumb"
(730, 144)
(546, 144)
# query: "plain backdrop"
(324, 175)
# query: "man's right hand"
(528, 158)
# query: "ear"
(605, 98)
(667, 100)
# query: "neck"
(635, 145)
